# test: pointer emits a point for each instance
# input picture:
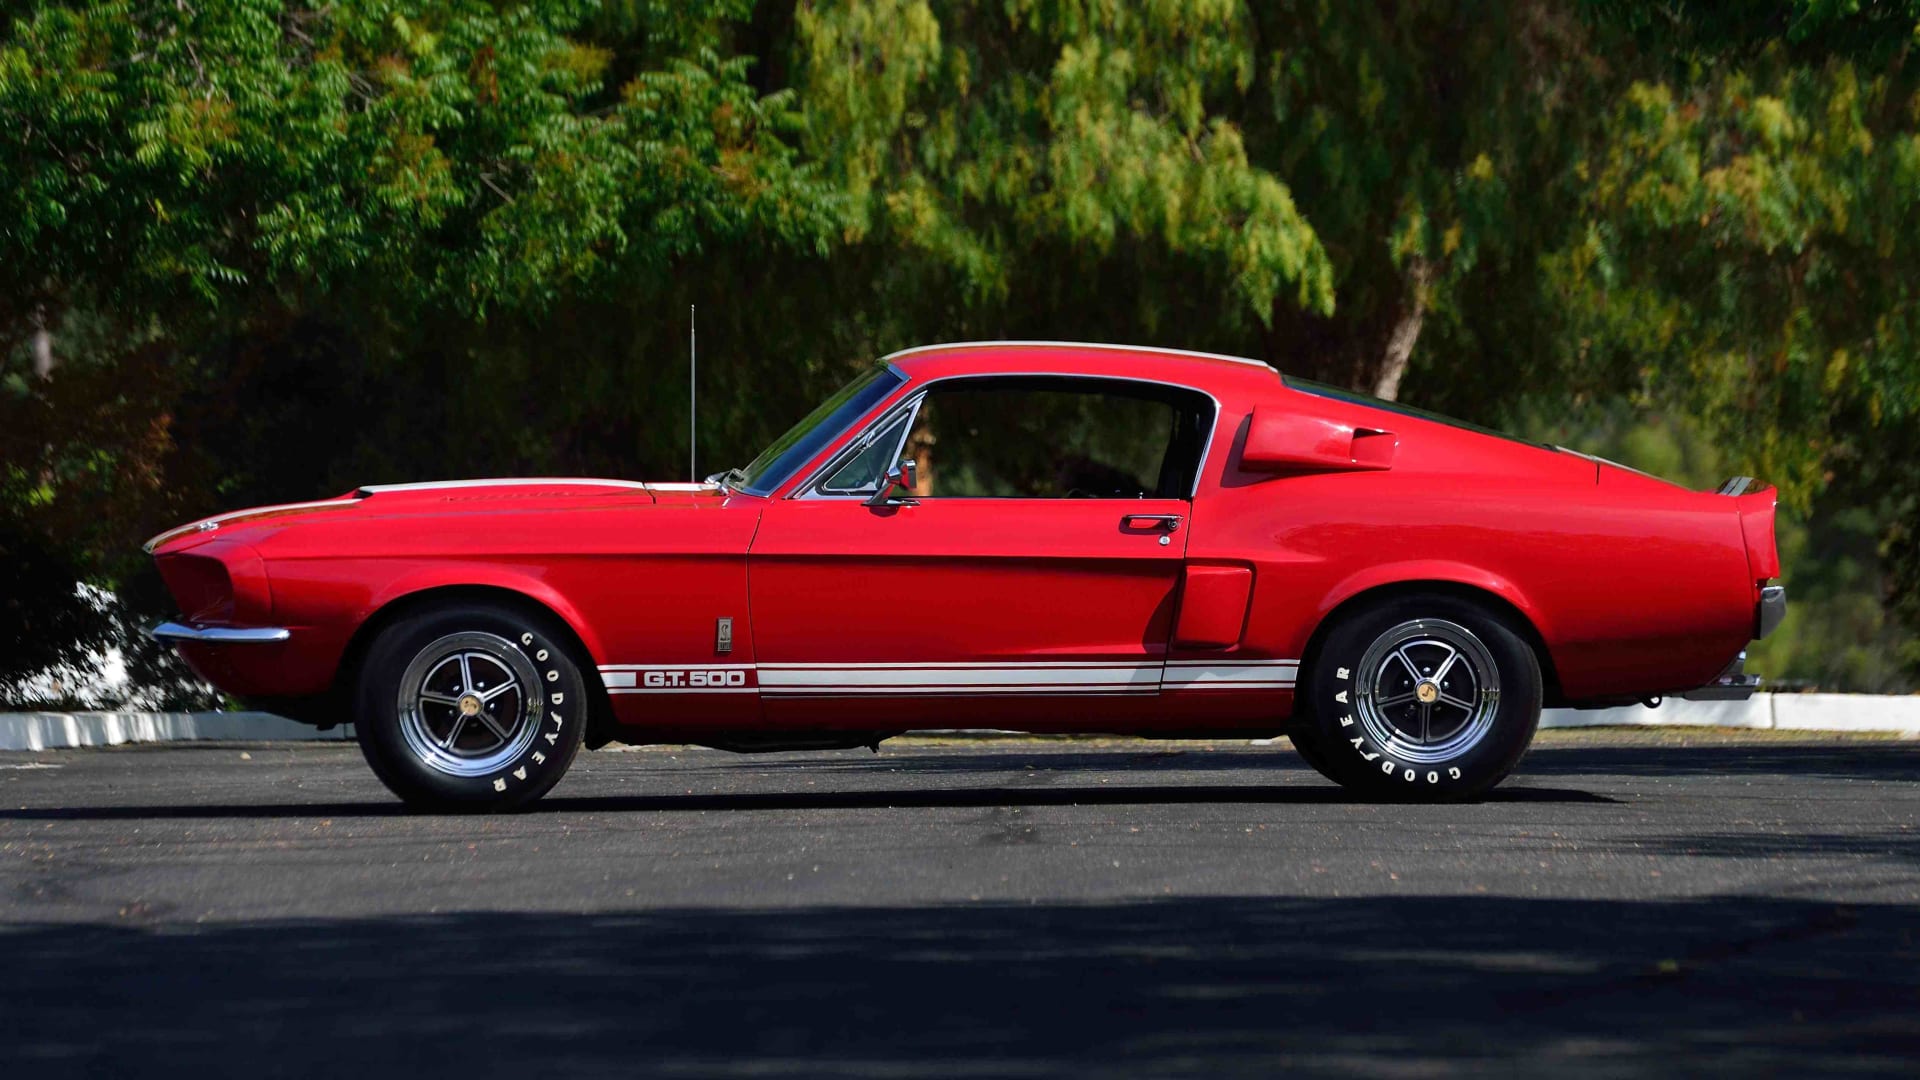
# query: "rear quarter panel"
(1633, 591)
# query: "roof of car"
(938, 360)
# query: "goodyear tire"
(470, 706)
(1306, 742)
(1425, 698)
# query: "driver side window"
(1040, 437)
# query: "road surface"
(1632, 903)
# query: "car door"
(1030, 580)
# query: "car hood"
(443, 497)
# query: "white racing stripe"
(1206, 675)
(1109, 690)
(861, 675)
(970, 677)
(681, 690)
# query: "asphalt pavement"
(1632, 903)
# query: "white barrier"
(55, 730)
(1764, 712)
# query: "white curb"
(1846, 712)
(1755, 712)
(1766, 712)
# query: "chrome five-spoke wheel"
(1427, 690)
(469, 703)
(1421, 696)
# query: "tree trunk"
(42, 345)
(1406, 331)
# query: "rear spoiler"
(1756, 503)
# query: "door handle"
(1169, 522)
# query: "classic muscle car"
(1033, 536)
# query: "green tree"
(258, 250)
(214, 209)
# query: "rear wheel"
(1428, 697)
(470, 707)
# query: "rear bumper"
(1768, 612)
(1734, 683)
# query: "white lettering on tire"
(1388, 766)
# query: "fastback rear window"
(1354, 397)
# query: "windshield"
(808, 437)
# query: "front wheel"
(1426, 698)
(470, 707)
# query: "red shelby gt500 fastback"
(1044, 537)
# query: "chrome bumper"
(220, 635)
(1734, 684)
(1769, 611)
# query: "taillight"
(1757, 508)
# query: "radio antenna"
(693, 401)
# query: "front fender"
(487, 576)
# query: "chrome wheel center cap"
(1427, 692)
(469, 706)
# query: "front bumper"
(219, 635)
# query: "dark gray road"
(1631, 904)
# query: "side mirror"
(904, 477)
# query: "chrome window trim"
(1190, 354)
(808, 489)
(909, 410)
(504, 481)
(792, 490)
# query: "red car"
(1031, 536)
